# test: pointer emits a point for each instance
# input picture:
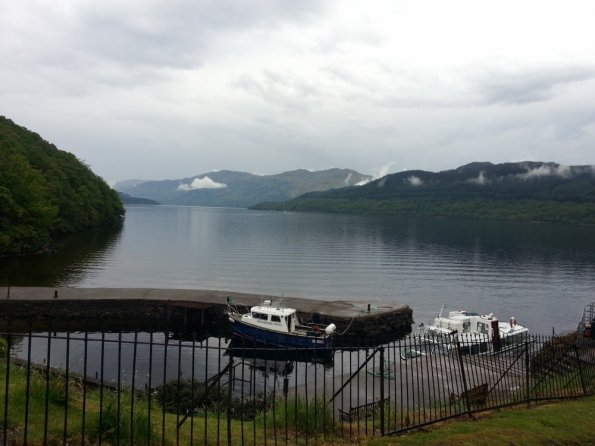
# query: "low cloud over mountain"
(241, 189)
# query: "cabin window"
(466, 327)
(482, 328)
(275, 318)
(262, 316)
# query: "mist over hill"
(240, 189)
(524, 191)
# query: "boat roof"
(436, 328)
(466, 315)
(269, 309)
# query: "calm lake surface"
(543, 274)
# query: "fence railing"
(157, 388)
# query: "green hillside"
(129, 199)
(46, 193)
(526, 191)
(239, 189)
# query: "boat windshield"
(482, 328)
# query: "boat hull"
(276, 339)
(242, 348)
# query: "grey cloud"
(284, 90)
(127, 43)
(177, 34)
(500, 87)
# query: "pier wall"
(185, 311)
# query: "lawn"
(570, 422)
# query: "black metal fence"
(158, 388)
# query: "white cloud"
(415, 181)
(381, 172)
(202, 183)
(546, 170)
(480, 180)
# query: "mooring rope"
(348, 327)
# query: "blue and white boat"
(276, 326)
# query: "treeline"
(128, 199)
(478, 209)
(46, 193)
(526, 191)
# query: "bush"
(182, 397)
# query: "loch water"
(543, 274)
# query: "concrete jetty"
(187, 310)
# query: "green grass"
(312, 417)
(569, 422)
(111, 418)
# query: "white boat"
(276, 326)
(475, 333)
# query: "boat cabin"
(466, 322)
(271, 318)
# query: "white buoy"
(330, 329)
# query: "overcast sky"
(169, 89)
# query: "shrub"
(182, 397)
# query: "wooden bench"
(363, 411)
(476, 396)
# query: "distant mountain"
(240, 189)
(128, 199)
(130, 183)
(533, 191)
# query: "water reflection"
(541, 273)
(148, 360)
(75, 258)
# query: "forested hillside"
(129, 199)
(526, 191)
(46, 193)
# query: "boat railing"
(588, 315)
(310, 328)
(232, 307)
(586, 325)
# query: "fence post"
(229, 382)
(381, 390)
(527, 374)
(7, 385)
(580, 370)
(464, 377)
